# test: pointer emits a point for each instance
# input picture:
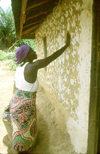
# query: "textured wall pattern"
(68, 77)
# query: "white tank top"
(20, 81)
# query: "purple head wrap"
(21, 53)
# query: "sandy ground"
(52, 138)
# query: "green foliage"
(8, 56)
(8, 40)
(2, 55)
(30, 42)
(7, 32)
(7, 29)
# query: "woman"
(22, 105)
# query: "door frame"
(94, 106)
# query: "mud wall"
(67, 78)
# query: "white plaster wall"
(68, 77)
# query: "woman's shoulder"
(32, 65)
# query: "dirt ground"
(52, 138)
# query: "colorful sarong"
(23, 119)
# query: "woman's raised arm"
(32, 68)
(44, 62)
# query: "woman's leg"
(23, 118)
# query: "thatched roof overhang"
(29, 14)
(16, 8)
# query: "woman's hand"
(68, 40)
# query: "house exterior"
(67, 79)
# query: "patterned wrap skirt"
(23, 120)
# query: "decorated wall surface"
(67, 78)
